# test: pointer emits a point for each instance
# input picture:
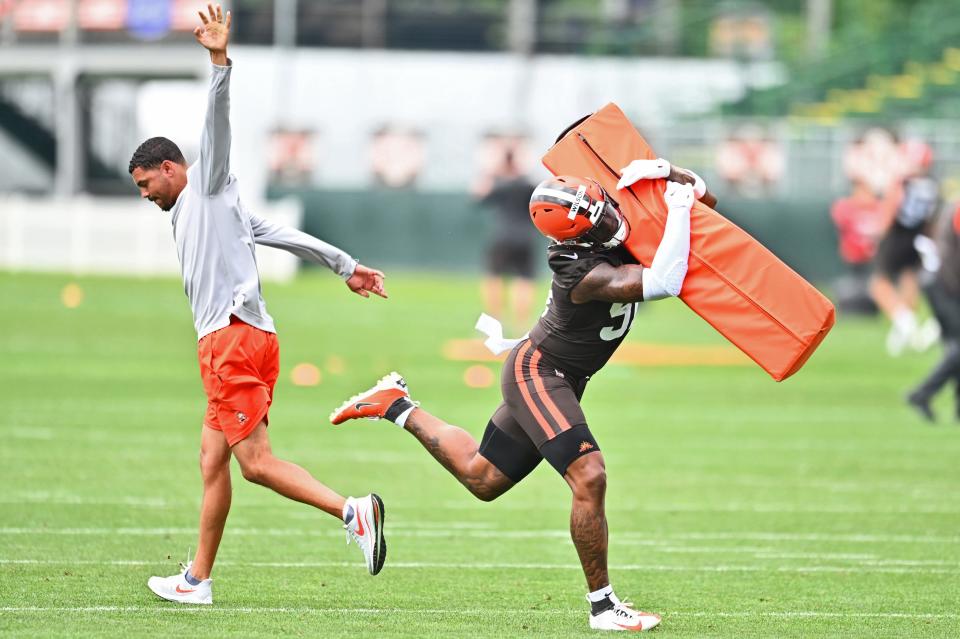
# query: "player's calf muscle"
(456, 450)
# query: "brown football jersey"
(580, 338)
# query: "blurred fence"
(449, 231)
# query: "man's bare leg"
(286, 478)
(909, 286)
(588, 522)
(588, 529)
(885, 295)
(522, 296)
(217, 493)
(456, 450)
(492, 290)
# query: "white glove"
(643, 170)
(699, 186)
(929, 254)
(678, 196)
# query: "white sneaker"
(926, 335)
(176, 588)
(363, 520)
(897, 341)
(623, 617)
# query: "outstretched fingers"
(378, 285)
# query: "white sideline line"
(852, 538)
(627, 537)
(835, 509)
(76, 500)
(421, 565)
(175, 609)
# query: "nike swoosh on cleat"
(362, 405)
(360, 530)
(184, 592)
(571, 256)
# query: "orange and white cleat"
(388, 399)
(622, 616)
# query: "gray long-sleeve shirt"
(216, 234)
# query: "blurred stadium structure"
(376, 115)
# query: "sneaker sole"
(179, 601)
(380, 549)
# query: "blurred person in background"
(941, 284)
(513, 243)
(859, 219)
(751, 161)
(238, 349)
(911, 204)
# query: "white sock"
(904, 320)
(401, 419)
(600, 595)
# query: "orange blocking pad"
(738, 286)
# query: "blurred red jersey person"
(860, 222)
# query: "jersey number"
(627, 312)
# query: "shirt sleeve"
(302, 245)
(214, 162)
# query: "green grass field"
(738, 507)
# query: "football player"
(912, 206)
(593, 300)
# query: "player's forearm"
(665, 276)
(216, 139)
(308, 248)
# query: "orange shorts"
(239, 365)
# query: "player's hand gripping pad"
(738, 286)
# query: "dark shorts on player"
(896, 252)
(540, 417)
(511, 258)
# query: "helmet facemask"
(609, 228)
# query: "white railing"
(123, 236)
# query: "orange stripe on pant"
(521, 382)
(547, 400)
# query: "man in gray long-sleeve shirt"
(238, 351)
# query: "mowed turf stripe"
(427, 565)
(838, 509)
(496, 534)
(183, 609)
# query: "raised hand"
(365, 281)
(643, 170)
(214, 33)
